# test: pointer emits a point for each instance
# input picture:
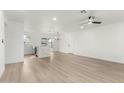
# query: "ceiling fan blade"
(96, 22)
(84, 22)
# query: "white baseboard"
(99, 58)
(15, 62)
(12, 60)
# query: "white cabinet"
(44, 51)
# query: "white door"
(1, 42)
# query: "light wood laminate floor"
(61, 67)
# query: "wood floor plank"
(63, 68)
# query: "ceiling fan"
(92, 20)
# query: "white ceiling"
(42, 19)
(15, 15)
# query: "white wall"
(2, 56)
(104, 42)
(28, 49)
(65, 42)
(14, 33)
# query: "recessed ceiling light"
(54, 19)
(81, 27)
